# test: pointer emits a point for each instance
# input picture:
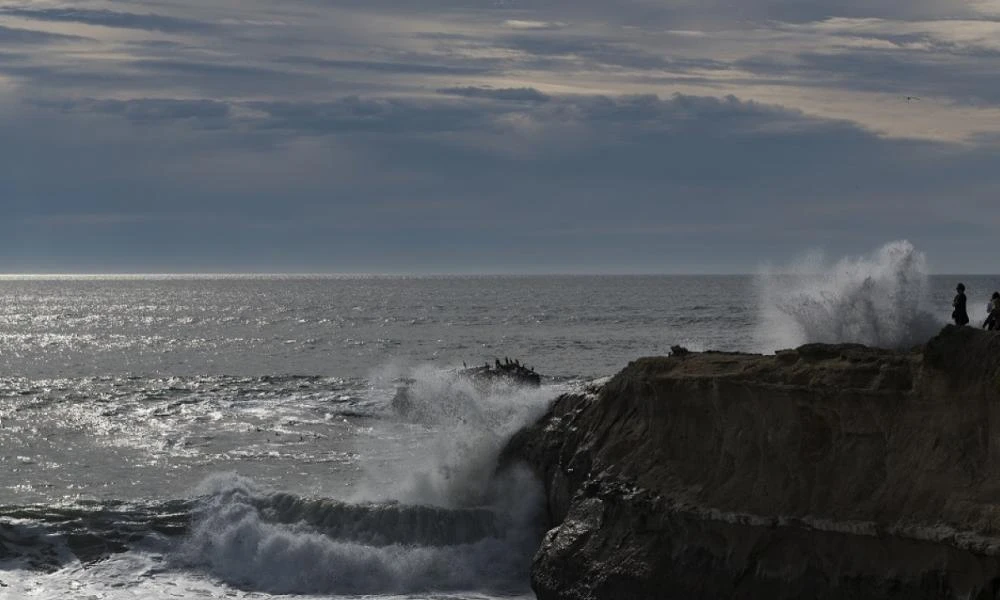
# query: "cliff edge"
(829, 471)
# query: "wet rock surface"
(507, 371)
(828, 471)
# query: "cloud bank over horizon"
(500, 135)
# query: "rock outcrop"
(829, 471)
(508, 371)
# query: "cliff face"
(822, 472)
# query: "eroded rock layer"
(822, 472)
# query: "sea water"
(233, 436)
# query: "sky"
(521, 136)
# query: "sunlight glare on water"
(234, 436)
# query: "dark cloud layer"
(581, 179)
(903, 73)
(145, 110)
(110, 18)
(409, 67)
(524, 94)
(13, 35)
(358, 114)
(543, 135)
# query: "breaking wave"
(471, 422)
(878, 300)
(441, 518)
(273, 543)
(447, 521)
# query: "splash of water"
(446, 520)
(878, 300)
(469, 422)
(244, 535)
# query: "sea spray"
(238, 535)
(878, 300)
(469, 422)
(447, 521)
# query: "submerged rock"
(829, 471)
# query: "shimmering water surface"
(348, 326)
(233, 436)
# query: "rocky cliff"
(829, 471)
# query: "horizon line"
(375, 274)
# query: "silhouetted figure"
(960, 314)
(992, 321)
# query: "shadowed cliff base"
(828, 471)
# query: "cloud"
(146, 110)
(690, 33)
(949, 36)
(415, 68)
(26, 67)
(387, 131)
(110, 18)
(677, 140)
(360, 114)
(621, 180)
(222, 78)
(11, 35)
(894, 72)
(521, 118)
(524, 94)
(533, 25)
(602, 52)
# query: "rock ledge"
(829, 471)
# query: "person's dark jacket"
(960, 315)
(992, 321)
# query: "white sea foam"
(879, 300)
(237, 538)
(469, 423)
(439, 520)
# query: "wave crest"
(438, 517)
(277, 543)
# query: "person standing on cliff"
(993, 313)
(960, 315)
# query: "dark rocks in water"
(830, 471)
(510, 371)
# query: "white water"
(434, 519)
(133, 392)
(471, 423)
(454, 470)
(879, 300)
(236, 543)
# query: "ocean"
(233, 436)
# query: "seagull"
(911, 98)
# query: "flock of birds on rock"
(511, 369)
